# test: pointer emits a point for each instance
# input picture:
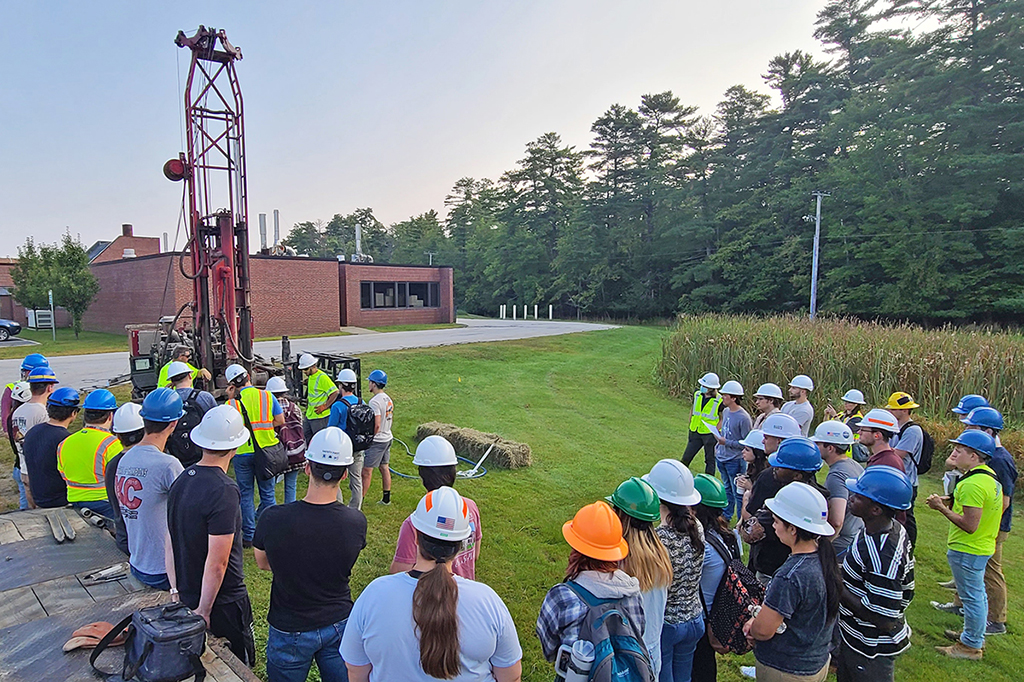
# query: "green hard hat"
(637, 498)
(712, 491)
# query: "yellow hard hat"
(901, 401)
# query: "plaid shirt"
(562, 614)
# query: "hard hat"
(222, 428)
(979, 441)
(769, 390)
(306, 361)
(673, 482)
(881, 420)
(802, 381)
(435, 451)
(42, 375)
(21, 392)
(854, 396)
(802, 506)
(712, 491)
(596, 532)
(888, 486)
(901, 401)
(444, 515)
(277, 385)
(781, 426)
(985, 417)
(347, 376)
(177, 368)
(796, 453)
(754, 440)
(378, 377)
(969, 402)
(330, 446)
(100, 399)
(732, 388)
(128, 418)
(33, 360)
(234, 371)
(162, 405)
(64, 397)
(834, 432)
(636, 498)
(709, 380)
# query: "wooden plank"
(62, 594)
(19, 605)
(32, 524)
(220, 648)
(106, 590)
(34, 561)
(9, 532)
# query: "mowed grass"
(415, 327)
(592, 410)
(66, 343)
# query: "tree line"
(915, 125)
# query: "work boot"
(961, 650)
(952, 635)
(995, 629)
(948, 584)
(948, 607)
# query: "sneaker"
(948, 584)
(383, 502)
(961, 650)
(995, 629)
(948, 607)
(748, 671)
(952, 635)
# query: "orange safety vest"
(259, 405)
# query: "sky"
(347, 105)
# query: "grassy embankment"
(66, 343)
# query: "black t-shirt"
(769, 554)
(121, 533)
(40, 448)
(203, 501)
(311, 548)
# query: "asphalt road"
(87, 371)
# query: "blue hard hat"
(800, 453)
(162, 405)
(888, 486)
(979, 441)
(101, 399)
(985, 417)
(969, 402)
(64, 397)
(33, 360)
(42, 375)
(378, 377)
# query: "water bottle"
(574, 662)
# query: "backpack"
(179, 444)
(738, 590)
(620, 654)
(291, 433)
(924, 464)
(359, 425)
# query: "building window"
(366, 295)
(384, 295)
(399, 295)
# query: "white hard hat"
(769, 391)
(834, 432)
(435, 451)
(347, 376)
(802, 381)
(754, 440)
(781, 426)
(277, 385)
(222, 428)
(306, 361)
(854, 396)
(881, 420)
(443, 514)
(709, 380)
(128, 418)
(732, 388)
(673, 482)
(802, 506)
(177, 368)
(22, 392)
(234, 371)
(330, 446)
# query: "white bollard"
(513, 312)
(535, 311)
(550, 312)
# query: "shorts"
(377, 455)
(233, 622)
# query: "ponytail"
(681, 520)
(829, 569)
(434, 605)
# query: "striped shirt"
(879, 570)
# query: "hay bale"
(472, 444)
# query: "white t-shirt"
(385, 409)
(380, 631)
(23, 419)
(803, 413)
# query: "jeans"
(101, 507)
(158, 581)
(995, 583)
(291, 479)
(22, 497)
(694, 443)
(245, 474)
(290, 654)
(730, 470)
(969, 575)
(678, 642)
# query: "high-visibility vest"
(259, 405)
(700, 417)
(162, 380)
(849, 418)
(319, 388)
(82, 460)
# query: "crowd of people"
(831, 561)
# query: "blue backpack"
(620, 654)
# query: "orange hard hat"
(596, 532)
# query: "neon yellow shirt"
(980, 490)
(163, 380)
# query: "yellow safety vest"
(319, 388)
(701, 417)
(846, 420)
(82, 460)
(259, 405)
(163, 380)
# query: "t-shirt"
(311, 549)
(109, 479)
(912, 442)
(977, 490)
(714, 566)
(203, 501)
(1006, 470)
(40, 447)
(803, 413)
(319, 388)
(836, 484)
(735, 427)
(385, 409)
(144, 478)
(23, 419)
(204, 400)
(886, 458)
(464, 563)
(381, 632)
(683, 603)
(797, 591)
(339, 411)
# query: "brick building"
(126, 245)
(10, 309)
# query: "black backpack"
(924, 464)
(359, 425)
(179, 444)
(738, 590)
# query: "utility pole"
(431, 254)
(814, 258)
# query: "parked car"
(8, 328)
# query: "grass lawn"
(589, 406)
(414, 327)
(66, 344)
(305, 336)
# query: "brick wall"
(144, 246)
(132, 289)
(294, 295)
(11, 309)
(352, 314)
